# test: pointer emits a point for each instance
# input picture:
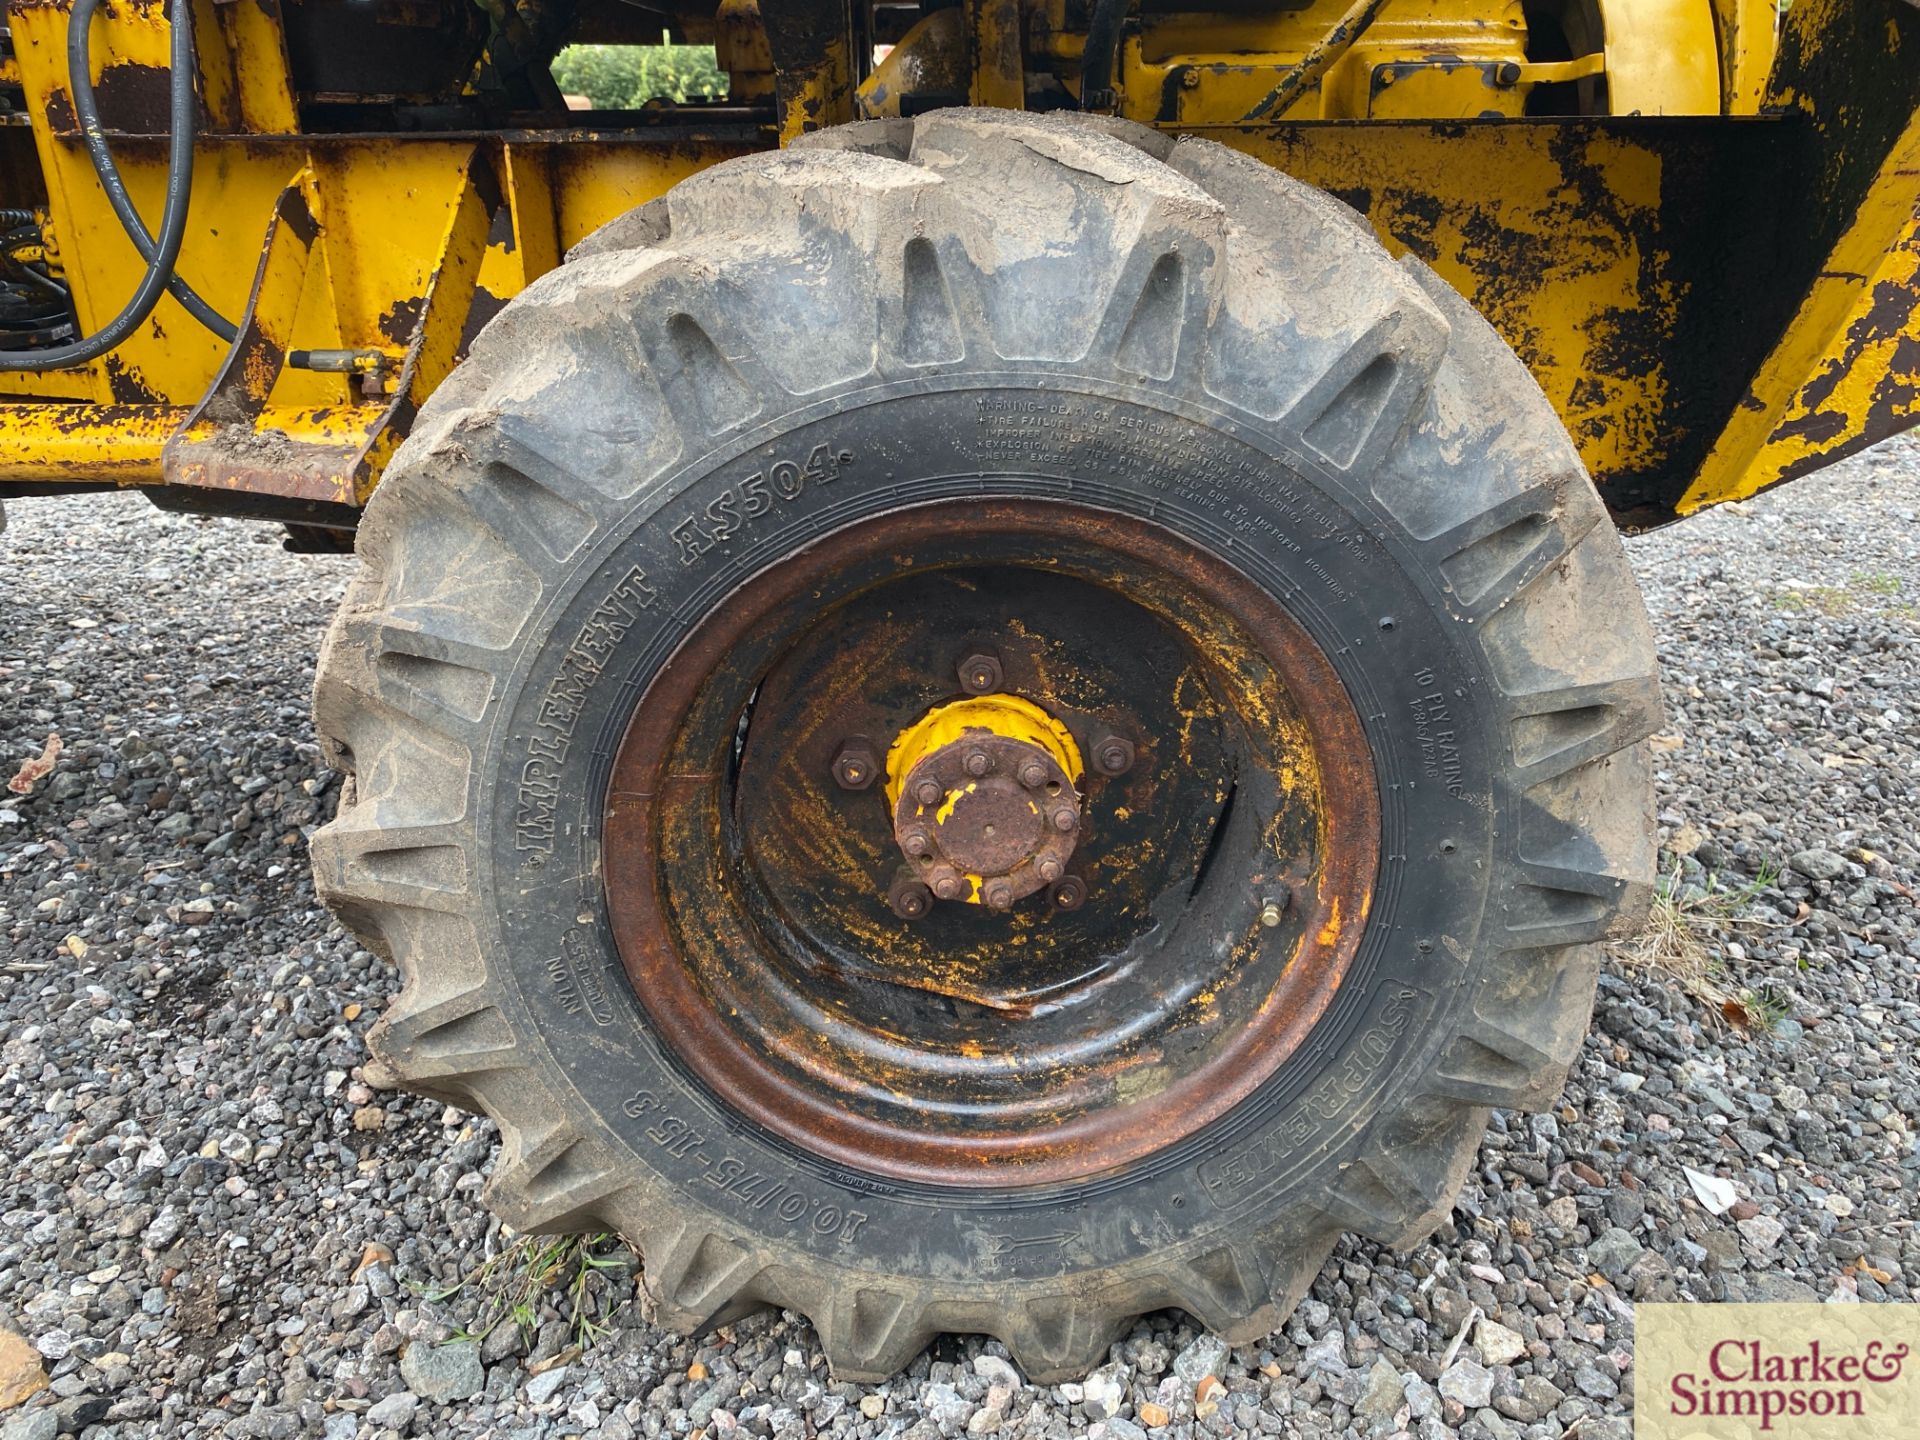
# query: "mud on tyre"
(736, 487)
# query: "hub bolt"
(980, 672)
(999, 895)
(1112, 754)
(928, 792)
(1065, 821)
(948, 885)
(979, 763)
(1070, 893)
(1033, 774)
(855, 766)
(918, 844)
(1050, 869)
(908, 898)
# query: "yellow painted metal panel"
(1749, 37)
(1867, 385)
(1849, 361)
(1819, 389)
(593, 184)
(1432, 59)
(1562, 237)
(1662, 57)
(85, 444)
(1577, 249)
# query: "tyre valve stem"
(1273, 909)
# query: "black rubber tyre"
(1248, 369)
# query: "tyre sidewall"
(1357, 585)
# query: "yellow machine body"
(1696, 225)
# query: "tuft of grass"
(1832, 601)
(1876, 582)
(1684, 941)
(591, 1274)
(1765, 1008)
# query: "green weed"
(591, 1273)
(1685, 938)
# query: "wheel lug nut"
(1033, 774)
(999, 895)
(1111, 754)
(1070, 893)
(1065, 821)
(947, 885)
(928, 792)
(1050, 869)
(980, 672)
(908, 898)
(979, 763)
(854, 765)
(918, 844)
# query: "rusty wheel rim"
(1108, 1035)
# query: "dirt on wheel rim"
(1015, 1100)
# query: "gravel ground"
(211, 1225)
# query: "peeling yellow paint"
(1004, 715)
(1330, 932)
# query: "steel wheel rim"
(1068, 1117)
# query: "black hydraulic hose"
(80, 81)
(1100, 53)
(45, 282)
(1317, 61)
(173, 219)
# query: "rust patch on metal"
(988, 815)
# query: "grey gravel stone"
(995, 1371)
(1762, 1232)
(1105, 1391)
(1205, 1356)
(74, 1414)
(393, 1411)
(443, 1372)
(41, 1424)
(1613, 1253)
(1328, 1353)
(945, 1407)
(1423, 1401)
(1383, 1396)
(1467, 1381)
(708, 1400)
(1591, 1380)
(542, 1387)
(1819, 864)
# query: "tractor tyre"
(988, 724)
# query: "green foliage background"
(625, 77)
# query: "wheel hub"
(984, 804)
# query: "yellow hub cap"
(985, 800)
